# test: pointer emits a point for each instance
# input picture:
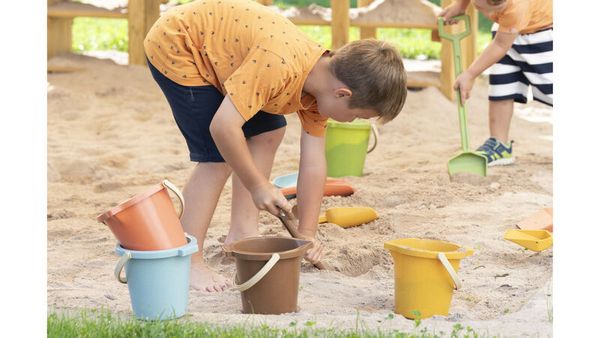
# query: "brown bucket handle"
(258, 276)
(177, 193)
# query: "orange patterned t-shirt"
(244, 49)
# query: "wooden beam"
(59, 36)
(340, 23)
(143, 14)
(367, 32)
(68, 9)
(469, 44)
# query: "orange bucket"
(147, 221)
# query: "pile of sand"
(111, 135)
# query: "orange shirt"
(244, 49)
(524, 16)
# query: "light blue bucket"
(158, 281)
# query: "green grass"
(91, 34)
(95, 323)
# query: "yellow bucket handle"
(258, 276)
(450, 269)
(375, 132)
(178, 193)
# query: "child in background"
(520, 55)
(230, 70)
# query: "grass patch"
(101, 323)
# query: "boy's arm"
(311, 180)
(226, 130)
(492, 54)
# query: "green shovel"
(465, 161)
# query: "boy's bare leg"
(244, 214)
(500, 115)
(201, 194)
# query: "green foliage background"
(90, 34)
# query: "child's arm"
(458, 7)
(311, 180)
(226, 130)
(492, 54)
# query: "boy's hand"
(267, 197)
(315, 254)
(464, 83)
(451, 11)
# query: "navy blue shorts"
(194, 108)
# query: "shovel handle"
(285, 219)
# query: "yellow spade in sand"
(347, 217)
(534, 240)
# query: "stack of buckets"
(347, 146)
(155, 252)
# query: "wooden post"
(367, 32)
(340, 23)
(59, 34)
(468, 50)
(141, 16)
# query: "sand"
(111, 135)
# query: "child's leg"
(244, 214)
(201, 194)
(500, 115)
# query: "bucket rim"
(398, 246)
(265, 256)
(130, 202)
(356, 124)
(185, 250)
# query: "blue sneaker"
(497, 153)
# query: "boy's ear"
(342, 92)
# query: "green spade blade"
(468, 162)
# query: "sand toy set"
(155, 252)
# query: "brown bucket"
(268, 269)
(147, 221)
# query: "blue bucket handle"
(120, 265)
(258, 276)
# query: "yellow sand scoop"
(534, 240)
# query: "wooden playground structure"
(370, 15)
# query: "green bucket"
(347, 145)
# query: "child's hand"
(450, 12)
(267, 197)
(315, 254)
(464, 83)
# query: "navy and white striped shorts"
(528, 62)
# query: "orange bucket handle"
(176, 191)
(450, 269)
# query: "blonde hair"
(374, 71)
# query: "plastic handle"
(458, 36)
(258, 276)
(450, 269)
(177, 193)
(120, 265)
(375, 133)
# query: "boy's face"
(337, 108)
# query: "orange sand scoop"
(541, 220)
(332, 188)
(347, 217)
(534, 240)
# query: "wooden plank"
(396, 13)
(143, 14)
(68, 9)
(422, 79)
(59, 36)
(446, 56)
(367, 32)
(340, 23)
(469, 44)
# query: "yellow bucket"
(425, 275)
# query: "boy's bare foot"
(203, 278)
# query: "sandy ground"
(111, 135)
